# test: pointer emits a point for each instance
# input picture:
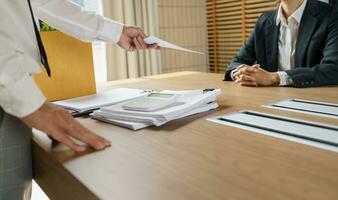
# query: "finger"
(152, 46)
(237, 76)
(69, 143)
(131, 48)
(256, 66)
(89, 136)
(137, 44)
(127, 46)
(243, 65)
(77, 131)
(140, 40)
(246, 78)
(238, 80)
(248, 84)
(95, 141)
(84, 135)
(142, 34)
(64, 139)
(250, 70)
(239, 72)
(243, 70)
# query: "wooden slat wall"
(183, 22)
(229, 24)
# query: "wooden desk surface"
(192, 158)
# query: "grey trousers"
(15, 159)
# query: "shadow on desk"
(178, 123)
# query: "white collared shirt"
(19, 53)
(288, 33)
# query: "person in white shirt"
(22, 104)
(297, 45)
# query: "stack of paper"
(106, 98)
(189, 103)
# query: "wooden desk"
(192, 158)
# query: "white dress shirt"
(288, 33)
(19, 53)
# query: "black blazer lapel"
(307, 26)
(271, 43)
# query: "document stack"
(140, 112)
(86, 104)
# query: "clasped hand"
(255, 76)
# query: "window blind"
(229, 23)
(183, 23)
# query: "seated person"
(297, 45)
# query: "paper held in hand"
(165, 44)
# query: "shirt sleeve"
(19, 95)
(69, 18)
(284, 78)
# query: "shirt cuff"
(22, 97)
(234, 71)
(110, 31)
(285, 79)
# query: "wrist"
(122, 35)
(275, 79)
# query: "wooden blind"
(183, 22)
(230, 22)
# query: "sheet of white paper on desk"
(105, 98)
(165, 44)
(323, 109)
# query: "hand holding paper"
(154, 40)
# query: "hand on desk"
(58, 124)
(255, 76)
(132, 39)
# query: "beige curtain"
(122, 64)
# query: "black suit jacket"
(316, 56)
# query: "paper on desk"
(139, 125)
(305, 132)
(309, 107)
(191, 99)
(165, 44)
(105, 98)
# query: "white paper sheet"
(165, 44)
(105, 98)
(302, 130)
(308, 107)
